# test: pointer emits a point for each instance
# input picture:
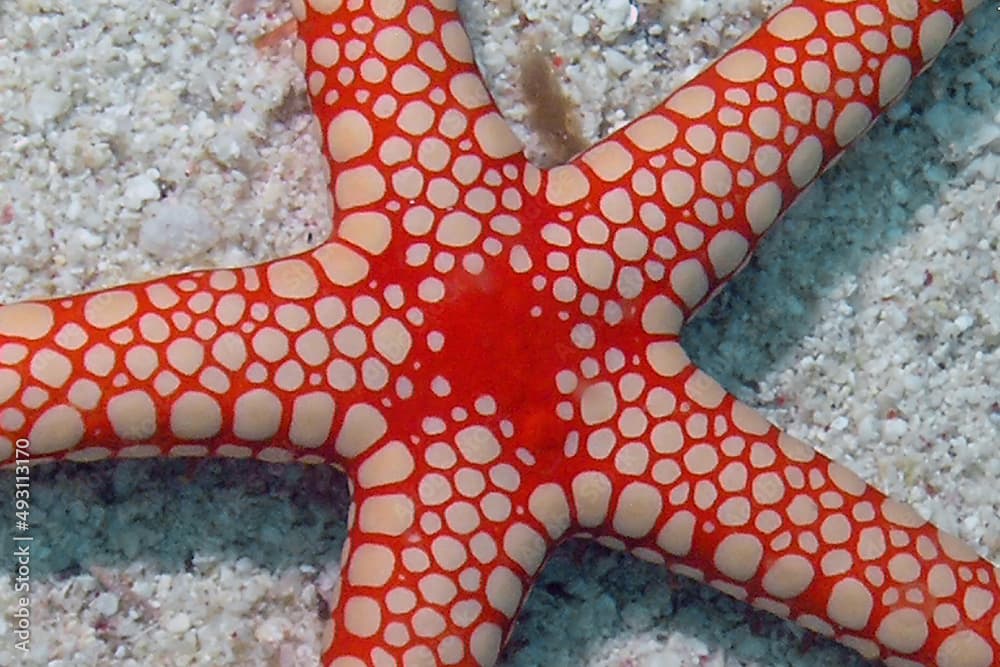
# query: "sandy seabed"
(868, 324)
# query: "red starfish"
(466, 474)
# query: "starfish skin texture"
(359, 353)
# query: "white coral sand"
(869, 325)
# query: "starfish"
(582, 416)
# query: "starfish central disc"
(516, 370)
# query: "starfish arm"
(444, 542)
(406, 122)
(704, 484)
(728, 153)
(265, 362)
